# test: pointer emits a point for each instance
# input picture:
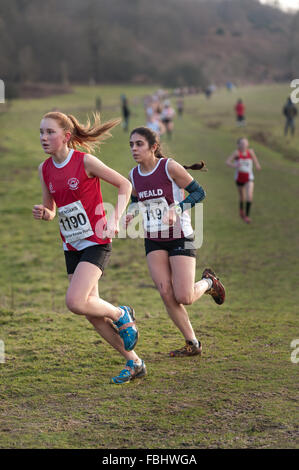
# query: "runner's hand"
(38, 211)
(127, 220)
(111, 229)
(169, 218)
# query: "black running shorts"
(242, 184)
(95, 254)
(178, 247)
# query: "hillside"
(190, 42)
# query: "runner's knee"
(75, 304)
(185, 298)
(166, 291)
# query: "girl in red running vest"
(240, 113)
(242, 160)
(158, 192)
(70, 183)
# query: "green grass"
(55, 391)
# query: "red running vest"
(79, 202)
(244, 171)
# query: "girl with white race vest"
(70, 182)
(158, 192)
(167, 116)
(242, 160)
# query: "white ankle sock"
(209, 281)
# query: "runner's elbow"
(126, 187)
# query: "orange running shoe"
(188, 350)
(217, 290)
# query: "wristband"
(197, 194)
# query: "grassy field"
(55, 391)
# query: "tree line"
(172, 42)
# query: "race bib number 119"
(153, 211)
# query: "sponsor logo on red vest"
(73, 183)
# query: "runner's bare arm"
(179, 174)
(184, 180)
(96, 168)
(133, 189)
(255, 159)
(46, 210)
(231, 158)
(133, 208)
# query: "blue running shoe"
(130, 372)
(127, 328)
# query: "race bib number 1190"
(73, 222)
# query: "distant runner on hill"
(167, 116)
(242, 160)
(290, 112)
(180, 106)
(125, 110)
(240, 113)
(155, 125)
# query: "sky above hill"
(284, 4)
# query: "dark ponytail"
(196, 166)
(158, 151)
(152, 139)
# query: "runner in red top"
(71, 182)
(242, 160)
(158, 185)
(240, 113)
(79, 201)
